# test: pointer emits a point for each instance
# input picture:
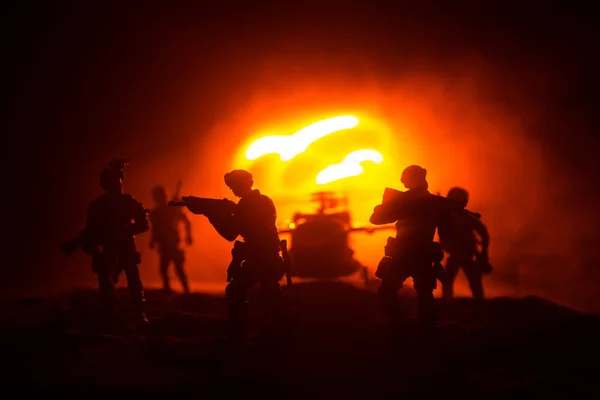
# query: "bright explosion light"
(350, 166)
(291, 145)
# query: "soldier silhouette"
(113, 220)
(164, 222)
(458, 239)
(256, 260)
(413, 252)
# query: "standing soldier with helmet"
(457, 237)
(165, 234)
(113, 220)
(413, 252)
(256, 260)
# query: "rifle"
(390, 195)
(287, 262)
(205, 206)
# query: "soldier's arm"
(226, 225)
(481, 229)
(140, 219)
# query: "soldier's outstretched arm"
(383, 214)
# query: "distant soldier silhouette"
(413, 252)
(164, 222)
(113, 219)
(256, 260)
(457, 237)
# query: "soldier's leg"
(475, 279)
(179, 260)
(130, 264)
(388, 295)
(392, 275)
(115, 276)
(106, 289)
(451, 270)
(425, 284)
(235, 295)
(164, 262)
(272, 297)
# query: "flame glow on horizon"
(289, 146)
(350, 166)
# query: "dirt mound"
(337, 344)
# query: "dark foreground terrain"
(337, 346)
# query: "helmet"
(414, 177)
(110, 180)
(239, 177)
(159, 194)
(459, 195)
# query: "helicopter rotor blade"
(370, 229)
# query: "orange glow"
(350, 166)
(459, 139)
(290, 146)
(333, 164)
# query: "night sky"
(89, 81)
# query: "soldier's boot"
(164, 274)
(136, 292)
(106, 290)
(139, 306)
(166, 283)
(186, 286)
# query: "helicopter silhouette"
(320, 241)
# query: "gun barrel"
(202, 205)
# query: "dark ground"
(337, 347)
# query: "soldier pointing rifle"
(256, 259)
